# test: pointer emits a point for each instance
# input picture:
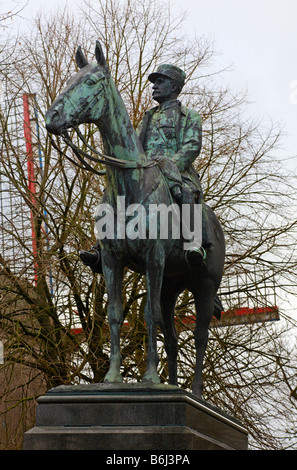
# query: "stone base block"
(131, 417)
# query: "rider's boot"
(92, 258)
(196, 255)
(207, 238)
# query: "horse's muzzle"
(54, 121)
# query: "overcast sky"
(259, 39)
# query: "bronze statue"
(91, 96)
(173, 131)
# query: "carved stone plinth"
(130, 417)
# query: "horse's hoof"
(113, 378)
(116, 381)
(151, 378)
(197, 391)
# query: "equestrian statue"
(147, 167)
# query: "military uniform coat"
(173, 131)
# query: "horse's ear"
(80, 58)
(99, 54)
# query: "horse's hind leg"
(113, 274)
(168, 301)
(204, 307)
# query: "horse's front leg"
(169, 296)
(154, 278)
(113, 274)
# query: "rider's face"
(164, 89)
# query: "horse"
(91, 96)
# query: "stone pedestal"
(130, 417)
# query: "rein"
(105, 159)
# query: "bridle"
(100, 157)
(105, 159)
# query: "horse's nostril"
(53, 121)
(55, 116)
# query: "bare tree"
(53, 310)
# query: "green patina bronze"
(136, 171)
(174, 131)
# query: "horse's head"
(84, 99)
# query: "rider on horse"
(172, 131)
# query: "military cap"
(169, 71)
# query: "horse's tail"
(218, 307)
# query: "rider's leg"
(207, 239)
(196, 253)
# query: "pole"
(31, 176)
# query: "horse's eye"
(91, 81)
